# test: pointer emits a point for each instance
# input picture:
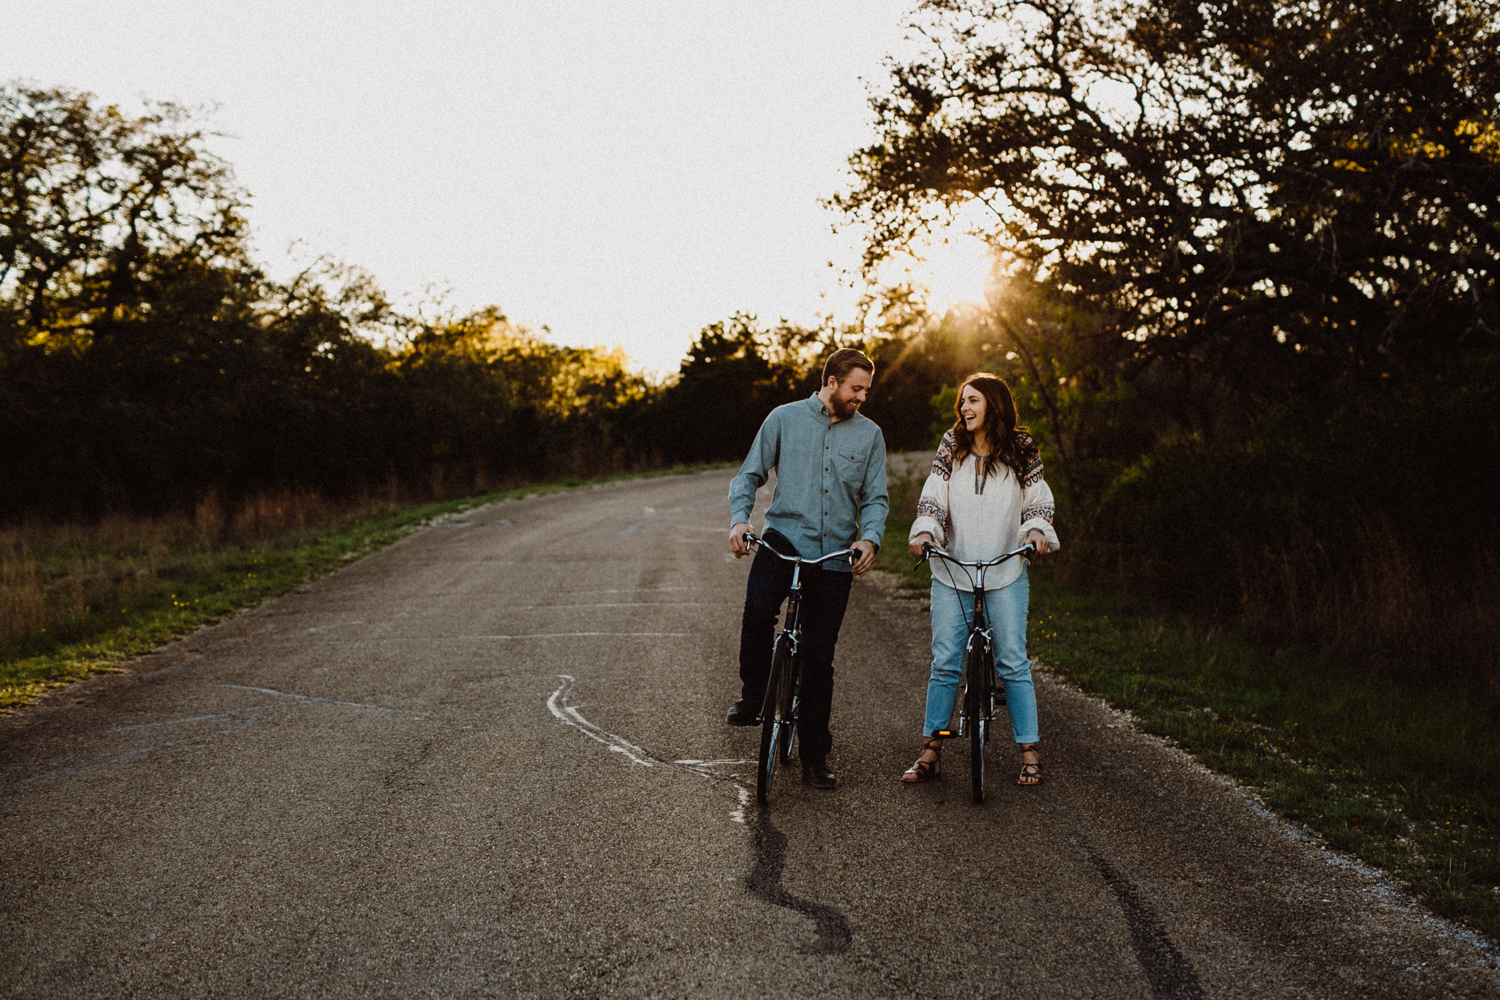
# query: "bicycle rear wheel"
(977, 708)
(774, 718)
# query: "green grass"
(1405, 778)
(125, 589)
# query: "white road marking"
(571, 716)
(558, 705)
(738, 816)
(330, 628)
(834, 932)
(326, 701)
(177, 722)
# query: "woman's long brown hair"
(1008, 443)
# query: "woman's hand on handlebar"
(737, 539)
(1039, 540)
(918, 545)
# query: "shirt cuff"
(929, 525)
(1042, 525)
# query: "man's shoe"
(819, 777)
(742, 713)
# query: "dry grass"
(62, 582)
(1386, 599)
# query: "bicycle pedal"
(941, 734)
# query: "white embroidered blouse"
(980, 519)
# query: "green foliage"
(146, 362)
(1239, 302)
(1273, 190)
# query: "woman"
(985, 496)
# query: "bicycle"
(977, 706)
(778, 714)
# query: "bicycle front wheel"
(977, 708)
(774, 718)
(792, 706)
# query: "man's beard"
(845, 408)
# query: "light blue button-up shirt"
(830, 479)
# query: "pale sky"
(622, 173)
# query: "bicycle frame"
(779, 707)
(977, 706)
(791, 624)
(978, 628)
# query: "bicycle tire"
(772, 721)
(976, 705)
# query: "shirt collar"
(816, 405)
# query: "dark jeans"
(825, 595)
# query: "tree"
(146, 361)
(90, 196)
(735, 373)
(1276, 190)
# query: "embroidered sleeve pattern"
(929, 507)
(942, 462)
(1043, 511)
(1032, 474)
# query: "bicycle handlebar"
(751, 538)
(929, 549)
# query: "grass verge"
(1404, 778)
(127, 588)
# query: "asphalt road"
(490, 761)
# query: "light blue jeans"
(1006, 609)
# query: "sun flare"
(953, 265)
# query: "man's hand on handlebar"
(737, 539)
(1038, 539)
(919, 545)
(866, 550)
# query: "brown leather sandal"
(924, 769)
(1031, 774)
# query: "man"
(830, 495)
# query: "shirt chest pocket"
(850, 469)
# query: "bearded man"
(830, 495)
